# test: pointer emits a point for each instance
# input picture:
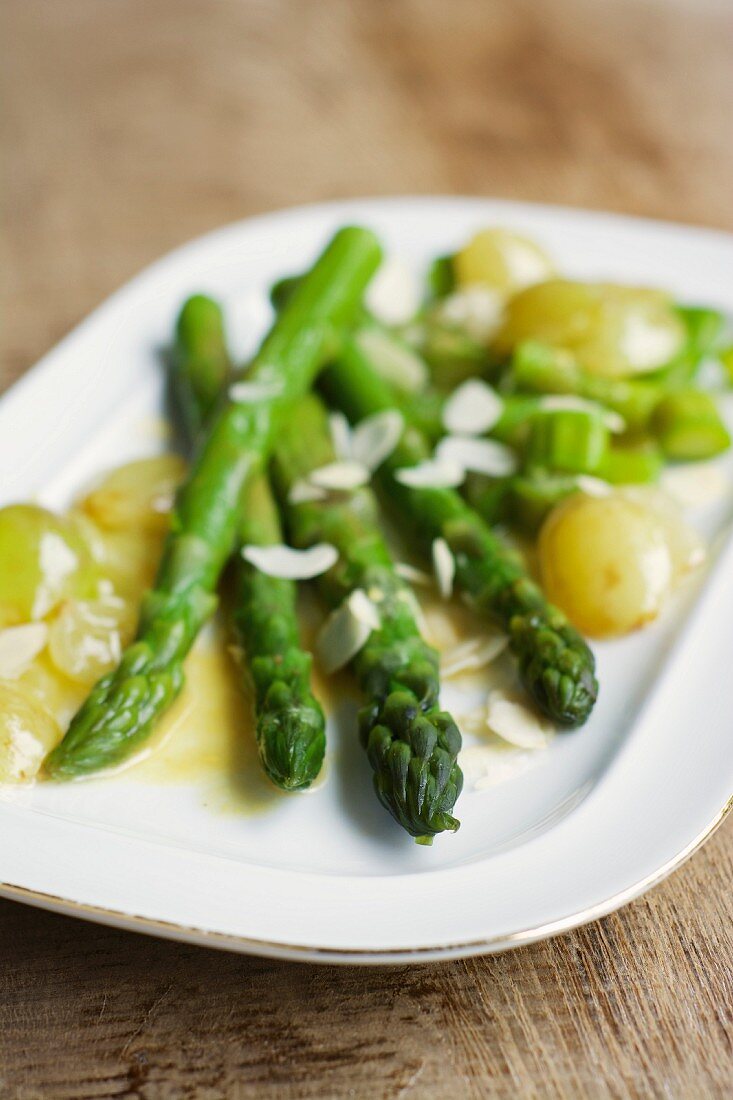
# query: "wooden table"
(129, 127)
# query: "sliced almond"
(246, 392)
(486, 766)
(392, 360)
(413, 575)
(374, 438)
(393, 296)
(472, 655)
(476, 309)
(19, 646)
(444, 567)
(517, 723)
(346, 631)
(302, 492)
(339, 476)
(472, 409)
(696, 484)
(341, 435)
(431, 474)
(593, 486)
(289, 563)
(482, 456)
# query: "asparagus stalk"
(290, 725)
(411, 744)
(555, 664)
(122, 708)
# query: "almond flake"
(482, 456)
(593, 486)
(412, 574)
(431, 474)
(392, 360)
(444, 567)
(516, 723)
(19, 645)
(339, 476)
(472, 655)
(472, 409)
(346, 631)
(486, 766)
(340, 435)
(289, 563)
(558, 402)
(374, 438)
(393, 295)
(246, 392)
(696, 484)
(301, 492)
(476, 309)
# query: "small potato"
(502, 260)
(606, 562)
(613, 331)
(138, 494)
(27, 734)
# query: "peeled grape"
(502, 260)
(606, 561)
(613, 331)
(137, 495)
(43, 560)
(27, 734)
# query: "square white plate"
(605, 812)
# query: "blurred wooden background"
(128, 126)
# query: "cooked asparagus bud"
(555, 664)
(200, 363)
(536, 368)
(289, 722)
(638, 462)
(689, 427)
(571, 441)
(411, 743)
(121, 710)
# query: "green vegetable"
(555, 664)
(567, 441)
(726, 358)
(290, 725)
(636, 462)
(410, 742)
(450, 353)
(441, 277)
(531, 498)
(536, 368)
(688, 426)
(123, 707)
(200, 361)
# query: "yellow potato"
(613, 331)
(27, 734)
(139, 494)
(502, 260)
(606, 561)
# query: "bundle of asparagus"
(240, 424)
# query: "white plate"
(605, 812)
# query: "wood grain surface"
(129, 126)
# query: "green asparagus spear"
(411, 744)
(555, 664)
(290, 725)
(120, 711)
(200, 363)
